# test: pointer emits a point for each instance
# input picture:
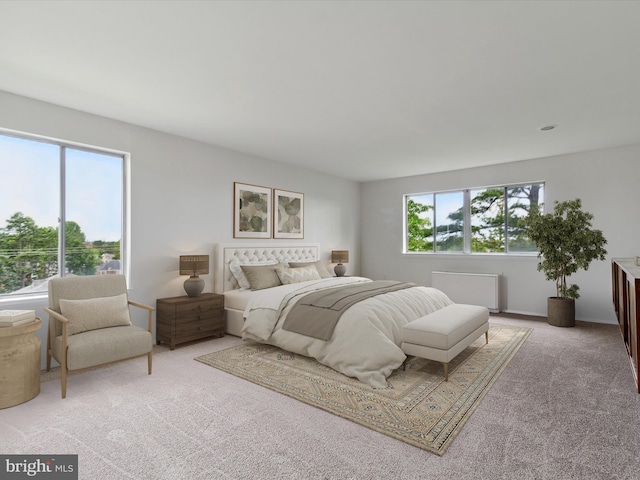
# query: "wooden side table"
(19, 363)
(183, 319)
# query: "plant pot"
(561, 312)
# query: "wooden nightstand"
(183, 319)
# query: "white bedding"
(366, 341)
(237, 299)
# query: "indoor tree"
(566, 243)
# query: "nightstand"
(183, 319)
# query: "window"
(480, 220)
(61, 212)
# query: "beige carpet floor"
(564, 408)
(419, 407)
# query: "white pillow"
(236, 269)
(299, 274)
(95, 313)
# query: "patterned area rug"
(419, 407)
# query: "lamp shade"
(340, 256)
(194, 265)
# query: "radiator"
(470, 288)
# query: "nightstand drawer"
(198, 326)
(199, 308)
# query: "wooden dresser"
(183, 319)
(625, 276)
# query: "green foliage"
(80, 259)
(419, 228)
(29, 252)
(26, 252)
(566, 243)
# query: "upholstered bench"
(443, 334)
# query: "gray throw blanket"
(317, 313)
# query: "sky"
(31, 185)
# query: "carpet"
(418, 408)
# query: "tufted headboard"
(223, 279)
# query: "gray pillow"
(236, 270)
(261, 276)
(320, 266)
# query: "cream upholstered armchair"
(89, 324)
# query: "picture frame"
(252, 216)
(288, 212)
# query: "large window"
(61, 212)
(480, 220)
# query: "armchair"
(90, 325)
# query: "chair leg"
(48, 348)
(150, 361)
(63, 380)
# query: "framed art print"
(251, 211)
(288, 210)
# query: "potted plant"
(566, 243)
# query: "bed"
(365, 343)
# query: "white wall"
(606, 180)
(182, 195)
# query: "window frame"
(467, 233)
(125, 214)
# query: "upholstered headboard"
(223, 279)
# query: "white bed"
(366, 341)
(224, 282)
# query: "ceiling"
(359, 89)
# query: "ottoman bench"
(443, 334)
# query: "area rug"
(418, 408)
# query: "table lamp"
(340, 257)
(194, 265)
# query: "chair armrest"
(141, 305)
(56, 315)
(62, 319)
(149, 309)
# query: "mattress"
(237, 299)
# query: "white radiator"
(470, 288)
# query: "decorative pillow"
(261, 276)
(236, 269)
(95, 313)
(299, 274)
(321, 267)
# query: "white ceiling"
(363, 90)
